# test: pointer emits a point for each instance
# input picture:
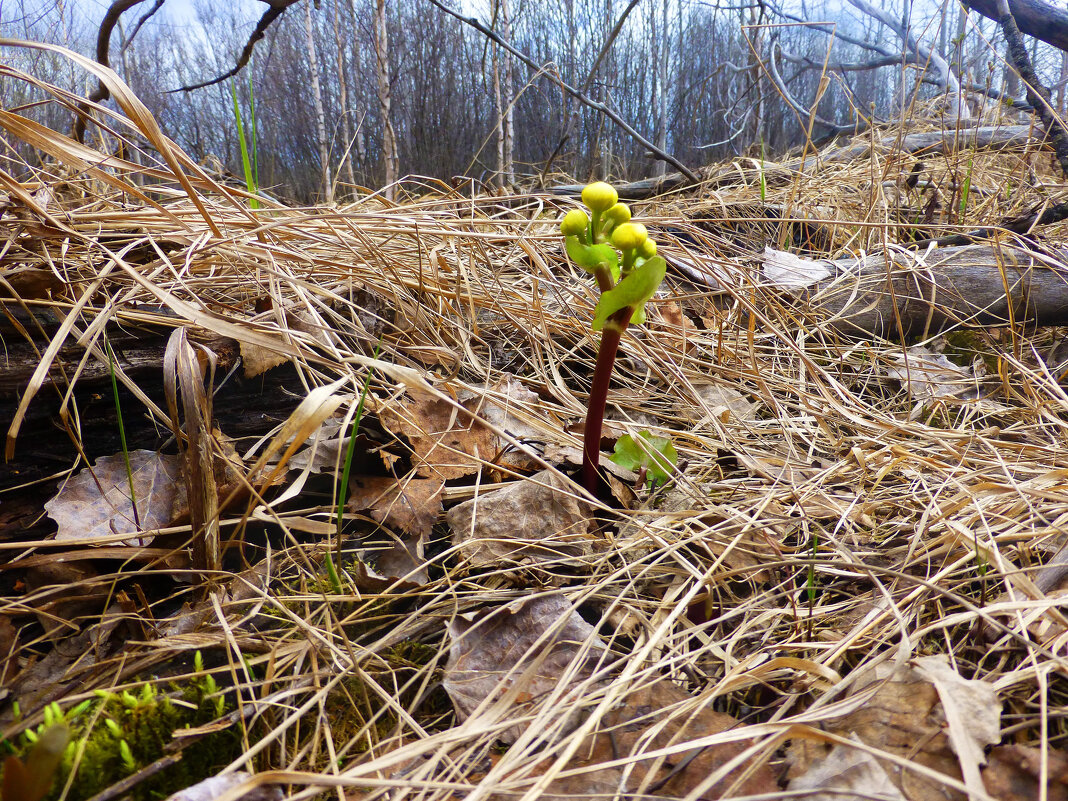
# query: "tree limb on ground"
(949, 141)
(909, 295)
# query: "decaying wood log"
(45, 446)
(917, 294)
(918, 144)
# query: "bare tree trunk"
(1012, 77)
(1062, 84)
(498, 107)
(660, 60)
(320, 114)
(508, 119)
(343, 97)
(389, 139)
(361, 109)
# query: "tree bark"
(320, 114)
(913, 295)
(1044, 21)
(389, 137)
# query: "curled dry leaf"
(718, 401)
(1016, 773)
(929, 376)
(906, 718)
(410, 504)
(449, 442)
(787, 271)
(96, 502)
(972, 712)
(847, 774)
(520, 652)
(535, 521)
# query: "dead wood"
(916, 294)
(47, 442)
(917, 144)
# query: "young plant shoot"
(622, 259)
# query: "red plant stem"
(602, 374)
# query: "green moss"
(121, 733)
(963, 345)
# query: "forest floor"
(851, 585)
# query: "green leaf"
(656, 454)
(590, 257)
(634, 290)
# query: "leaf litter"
(834, 595)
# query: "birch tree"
(320, 113)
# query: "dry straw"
(821, 525)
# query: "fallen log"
(916, 294)
(909, 295)
(918, 144)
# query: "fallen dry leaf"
(678, 326)
(719, 401)
(662, 715)
(410, 504)
(511, 661)
(1014, 773)
(522, 651)
(535, 521)
(787, 271)
(96, 502)
(449, 442)
(929, 376)
(446, 442)
(847, 774)
(972, 712)
(215, 786)
(905, 718)
(404, 560)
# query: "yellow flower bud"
(648, 249)
(618, 214)
(599, 196)
(629, 236)
(574, 223)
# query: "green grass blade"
(122, 434)
(246, 165)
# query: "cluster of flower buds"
(608, 221)
(610, 246)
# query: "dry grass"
(829, 530)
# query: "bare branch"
(577, 94)
(1036, 93)
(103, 57)
(277, 8)
(776, 79)
(1047, 23)
(144, 18)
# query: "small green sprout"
(622, 258)
(127, 757)
(652, 458)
